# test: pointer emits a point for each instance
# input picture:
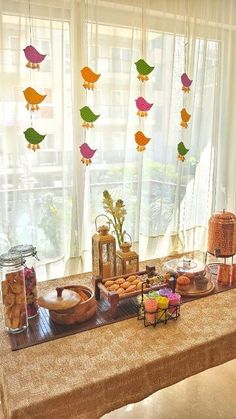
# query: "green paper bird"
(88, 117)
(143, 69)
(33, 138)
(182, 150)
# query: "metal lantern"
(103, 251)
(127, 260)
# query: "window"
(121, 58)
(117, 167)
(35, 188)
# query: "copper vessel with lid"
(70, 304)
(222, 234)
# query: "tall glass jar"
(29, 253)
(13, 292)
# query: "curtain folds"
(49, 197)
(168, 202)
(35, 187)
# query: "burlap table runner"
(91, 373)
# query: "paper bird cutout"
(88, 117)
(182, 150)
(87, 153)
(33, 56)
(33, 99)
(141, 140)
(143, 106)
(143, 69)
(89, 77)
(185, 116)
(186, 82)
(33, 138)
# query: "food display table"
(88, 374)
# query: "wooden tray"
(194, 292)
(114, 298)
(41, 329)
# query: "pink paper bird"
(87, 153)
(33, 57)
(186, 82)
(143, 106)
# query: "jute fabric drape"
(88, 374)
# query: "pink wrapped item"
(174, 300)
(150, 310)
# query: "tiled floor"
(210, 394)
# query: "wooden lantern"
(103, 252)
(127, 260)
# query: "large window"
(152, 183)
(48, 197)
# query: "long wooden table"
(89, 374)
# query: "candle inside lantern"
(106, 267)
(130, 268)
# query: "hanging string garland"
(185, 117)
(186, 83)
(144, 69)
(182, 150)
(32, 97)
(33, 138)
(87, 153)
(90, 78)
(33, 56)
(88, 117)
(143, 106)
(141, 140)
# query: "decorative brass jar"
(222, 234)
(103, 251)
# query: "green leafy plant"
(117, 211)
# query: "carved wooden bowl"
(78, 313)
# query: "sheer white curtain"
(168, 202)
(35, 188)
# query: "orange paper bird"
(141, 140)
(89, 77)
(33, 99)
(185, 116)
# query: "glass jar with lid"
(29, 253)
(13, 292)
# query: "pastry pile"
(125, 286)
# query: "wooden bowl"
(81, 312)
